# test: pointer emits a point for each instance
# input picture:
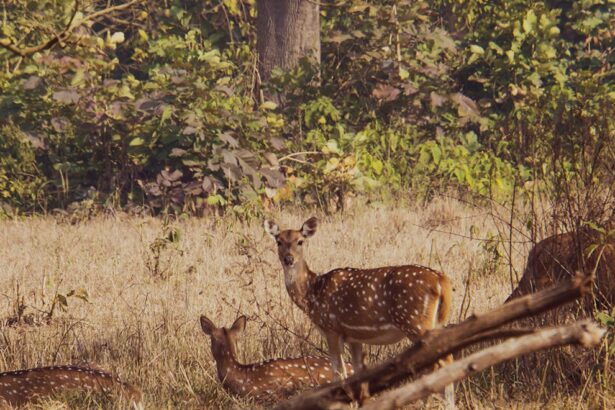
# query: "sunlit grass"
(144, 326)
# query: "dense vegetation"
(153, 106)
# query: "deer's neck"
(299, 280)
(227, 366)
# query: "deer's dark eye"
(279, 242)
(300, 243)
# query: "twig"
(296, 154)
(65, 33)
(58, 38)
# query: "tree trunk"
(286, 31)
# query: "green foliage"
(607, 320)
(156, 109)
(24, 314)
(163, 251)
(20, 179)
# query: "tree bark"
(585, 333)
(286, 31)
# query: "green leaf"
(212, 57)
(78, 77)
(331, 147)
(124, 91)
(166, 113)
(268, 105)
(436, 153)
(136, 142)
(591, 249)
(511, 56)
(377, 166)
(216, 200)
(529, 22)
(475, 49)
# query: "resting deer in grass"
(362, 306)
(558, 257)
(267, 381)
(20, 387)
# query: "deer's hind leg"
(358, 362)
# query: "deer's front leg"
(336, 348)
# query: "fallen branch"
(438, 343)
(584, 333)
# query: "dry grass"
(146, 330)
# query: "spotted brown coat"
(20, 387)
(361, 306)
(265, 381)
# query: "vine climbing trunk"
(286, 32)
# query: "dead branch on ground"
(438, 343)
(584, 333)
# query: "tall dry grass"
(144, 327)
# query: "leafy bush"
(20, 179)
(158, 112)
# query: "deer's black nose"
(289, 260)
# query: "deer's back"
(374, 305)
(281, 378)
(22, 386)
(558, 257)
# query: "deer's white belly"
(383, 334)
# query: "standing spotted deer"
(20, 387)
(267, 381)
(362, 306)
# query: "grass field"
(141, 320)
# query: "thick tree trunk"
(286, 31)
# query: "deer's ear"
(272, 229)
(309, 227)
(207, 325)
(239, 325)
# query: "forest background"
(456, 133)
(164, 106)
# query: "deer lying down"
(267, 381)
(20, 387)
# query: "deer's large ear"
(272, 229)
(207, 325)
(239, 325)
(309, 227)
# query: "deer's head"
(223, 340)
(290, 242)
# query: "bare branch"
(111, 9)
(61, 37)
(585, 333)
(58, 38)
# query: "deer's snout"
(289, 260)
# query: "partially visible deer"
(267, 381)
(362, 306)
(558, 257)
(20, 387)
